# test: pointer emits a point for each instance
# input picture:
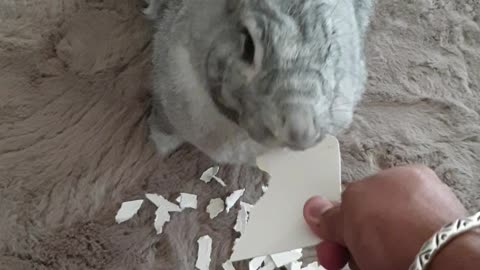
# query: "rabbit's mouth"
(231, 114)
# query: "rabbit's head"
(289, 71)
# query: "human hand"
(382, 220)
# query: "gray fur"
(307, 74)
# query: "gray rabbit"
(236, 78)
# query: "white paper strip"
(187, 200)
(204, 252)
(242, 218)
(161, 217)
(160, 201)
(208, 175)
(211, 174)
(220, 181)
(284, 258)
(268, 264)
(233, 198)
(313, 266)
(294, 266)
(228, 266)
(215, 207)
(128, 210)
(255, 263)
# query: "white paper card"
(295, 177)
(160, 201)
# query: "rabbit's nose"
(298, 131)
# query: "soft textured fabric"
(74, 94)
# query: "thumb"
(325, 219)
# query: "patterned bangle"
(441, 238)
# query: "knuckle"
(421, 172)
(350, 190)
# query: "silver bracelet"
(441, 238)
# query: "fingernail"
(316, 207)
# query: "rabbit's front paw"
(150, 9)
(164, 143)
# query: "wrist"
(464, 233)
(463, 252)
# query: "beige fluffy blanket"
(73, 98)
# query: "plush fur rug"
(74, 84)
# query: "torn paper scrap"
(187, 200)
(128, 210)
(215, 207)
(204, 252)
(284, 258)
(161, 217)
(242, 217)
(228, 265)
(233, 198)
(294, 266)
(255, 263)
(248, 207)
(160, 201)
(209, 174)
(220, 181)
(313, 266)
(268, 264)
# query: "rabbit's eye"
(248, 54)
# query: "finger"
(353, 266)
(345, 185)
(325, 219)
(332, 256)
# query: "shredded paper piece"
(255, 263)
(211, 174)
(268, 264)
(160, 201)
(228, 265)
(233, 198)
(215, 207)
(161, 217)
(294, 266)
(128, 210)
(187, 200)
(208, 175)
(313, 266)
(220, 181)
(204, 252)
(284, 258)
(274, 261)
(242, 218)
(164, 207)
